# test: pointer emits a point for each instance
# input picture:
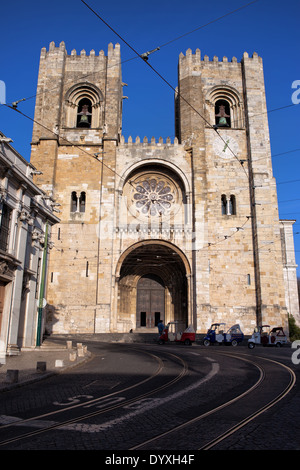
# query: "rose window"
(153, 196)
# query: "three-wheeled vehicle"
(263, 335)
(215, 334)
(176, 331)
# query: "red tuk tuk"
(175, 331)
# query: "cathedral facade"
(182, 230)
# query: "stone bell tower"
(221, 115)
(79, 102)
(78, 119)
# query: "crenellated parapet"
(145, 142)
(113, 52)
(205, 84)
(65, 79)
(195, 59)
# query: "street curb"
(46, 375)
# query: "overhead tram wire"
(94, 156)
(140, 56)
(43, 92)
(159, 47)
(279, 154)
(197, 112)
(143, 58)
(284, 153)
(175, 91)
(269, 111)
(209, 23)
(209, 244)
(165, 80)
(288, 182)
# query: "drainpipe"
(42, 291)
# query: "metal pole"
(42, 290)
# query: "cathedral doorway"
(152, 279)
(150, 301)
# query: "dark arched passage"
(152, 283)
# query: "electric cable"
(43, 92)
(69, 142)
(84, 151)
(208, 24)
(133, 58)
(162, 79)
(165, 80)
(162, 45)
(224, 238)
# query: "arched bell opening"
(84, 113)
(152, 286)
(225, 108)
(83, 107)
(222, 114)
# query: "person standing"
(160, 327)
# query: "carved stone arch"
(165, 166)
(89, 94)
(155, 190)
(144, 243)
(158, 260)
(232, 97)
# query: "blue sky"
(270, 28)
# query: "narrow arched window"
(224, 204)
(82, 202)
(78, 202)
(222, 113)
(232, 205)
(228, 205)
(84, 113)
(74, 201)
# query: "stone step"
(134, 337)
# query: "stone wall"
(217, 231)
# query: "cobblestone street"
(129, 393)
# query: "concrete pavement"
(55, 355)
(40, 362)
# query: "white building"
(26, 218)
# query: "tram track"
(262, 364)
(27, 421)
(257, 413)
(229, 432)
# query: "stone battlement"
(197, 57)
(112, 51)
(145, 141)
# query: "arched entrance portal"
(153, 285)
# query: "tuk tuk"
(177, 332)
(263, 335)
(216, 334)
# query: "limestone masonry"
(149, 229)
